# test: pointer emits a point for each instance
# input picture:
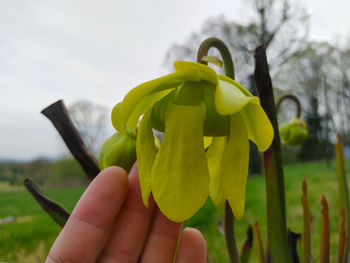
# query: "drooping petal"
(214, 155)
(229, 99)
(180, 178)
(235, 165)
(133, 98)
(260, 130)
(146, 153)
(235, 83)
(203, 71)
(143, 106)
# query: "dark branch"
(57, 113)
(59, 214)
(293, 238)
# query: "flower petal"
(203, 71)
(230, 99)
(146, 103)
(260, 130)
(214, 155)
(121, 115)
(235, 83)
(235, 165)
(146, 153)
(180, 178)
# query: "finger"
(192, 247)
(82, 237)
(162, 240)
(127, 238)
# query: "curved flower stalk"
(187, 105)
(294, 131)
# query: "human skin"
(111, 224)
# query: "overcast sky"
(98, 50)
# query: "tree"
(310, 74)
(343, 91)
(91, 121)
(280, 25)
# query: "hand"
(111, 224)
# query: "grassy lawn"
(33, 232)
(29, 238)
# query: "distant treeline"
(62, 172)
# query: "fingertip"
(91, 219)
(192, 247)
(118, 172)
(196, 236)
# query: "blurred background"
(91, 53)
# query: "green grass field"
(29, 238)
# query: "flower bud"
(293, 132)
(120, 150)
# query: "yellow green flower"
(119, 149)
(293, 132)
(189, 105)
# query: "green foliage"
(63, 172)
(34, 227)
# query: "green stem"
(344, 202)
(292, 98)
(224, 52)
(275, 195)
(230, 72)
(230, 234)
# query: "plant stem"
(293, 239)
(307, 257)
(259, 243)
(275, 195)
(224, 52)
(57, 113)
(230, 72)
(247, 246)
(230, 234)
(325, 235)
(59, 214)
(289, 97)
(344, 203)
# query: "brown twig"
(59, 214)
(57, 113)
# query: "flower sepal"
(120, 150)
